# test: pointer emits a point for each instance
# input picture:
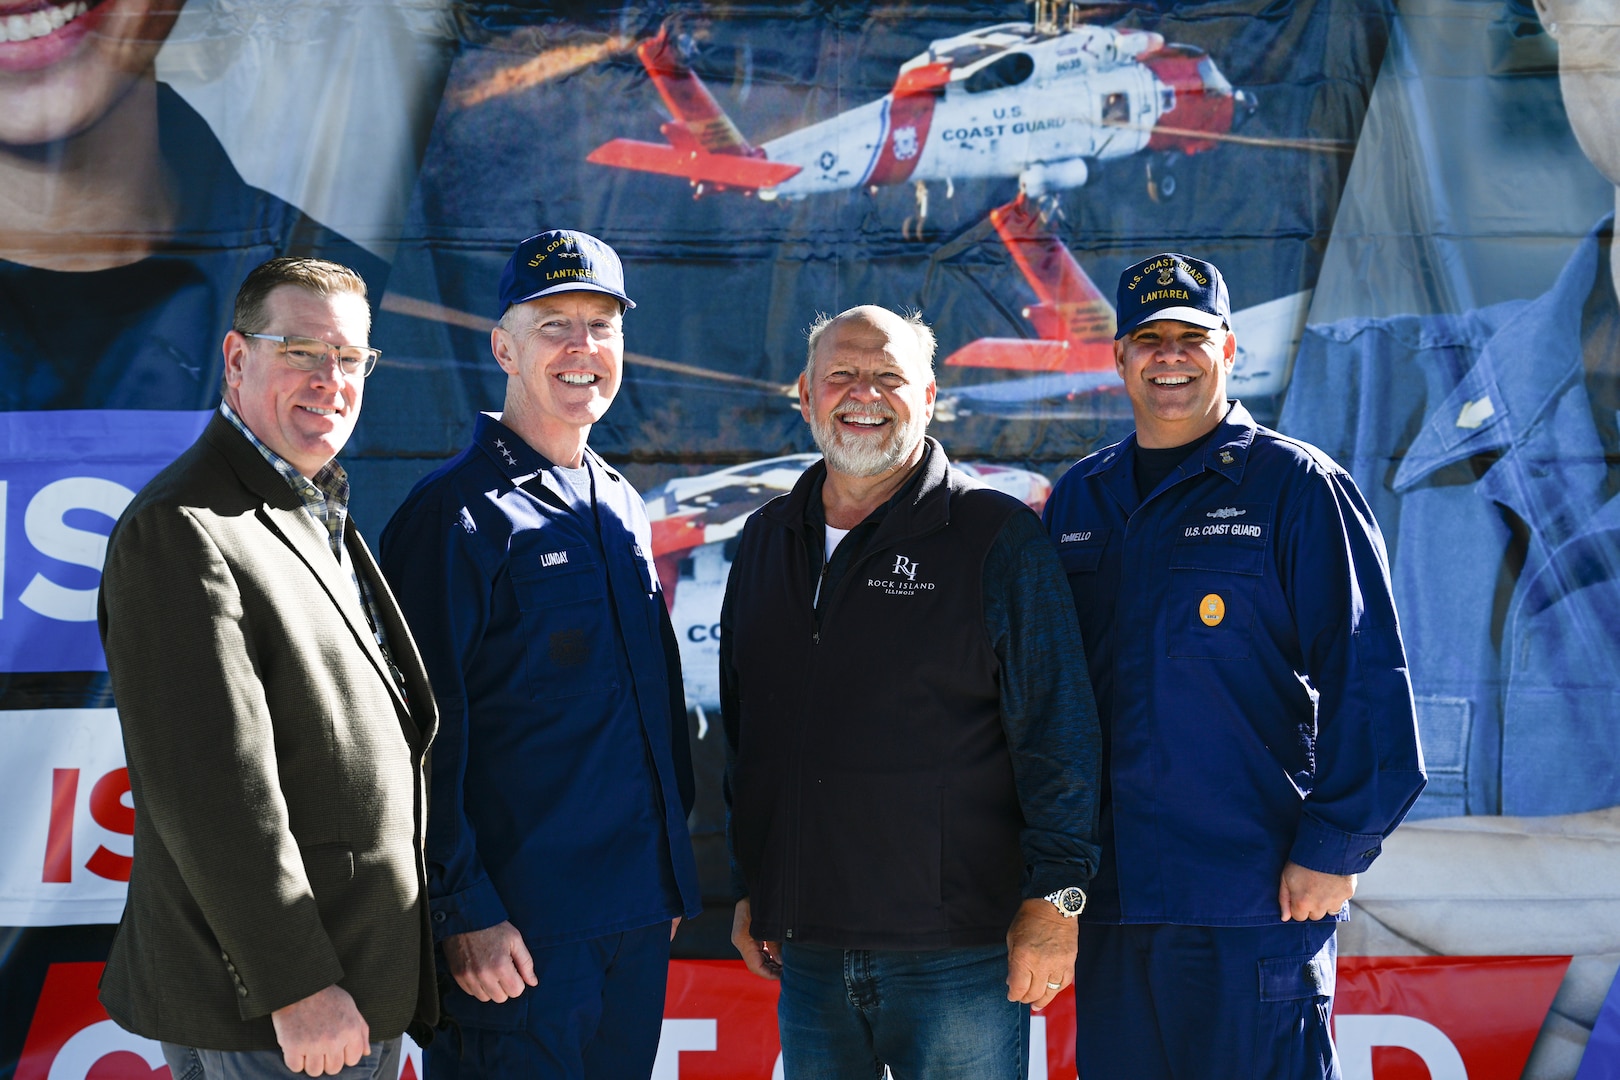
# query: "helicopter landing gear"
(912, 227)
(1161, 178)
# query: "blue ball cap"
(561, 260)
(1172, 286)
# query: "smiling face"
(304, 416)
(1175, 375)
(868, 395)
(64, 64)
(564, 357)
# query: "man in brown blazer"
(275, 717)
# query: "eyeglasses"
(312, 354)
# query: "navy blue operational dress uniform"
(1234, 599)
(562, 780)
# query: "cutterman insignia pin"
(1212, 609)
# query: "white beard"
(862, 455)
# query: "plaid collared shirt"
(326, 500)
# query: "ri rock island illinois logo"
(902, 579)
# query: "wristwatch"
(1069, 902)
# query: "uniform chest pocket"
(1081, 551)
(1210, 606)
(566, 623)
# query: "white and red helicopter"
(1072, 352)
(1041, 101)
(694, 518)
(1068, 360)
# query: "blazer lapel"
(308, 540)
(419, 710)
(284, 514)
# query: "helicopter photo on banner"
(993, 165)
(987, 163)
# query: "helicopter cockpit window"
(1116, 109)
(1214, 82)
(963, 55)
(1010, 70)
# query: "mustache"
(871, 408)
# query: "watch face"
(1071, 900)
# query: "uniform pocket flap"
(548, 578)
(1081, 558)
(1081, 551)
(1287, 978)
(1227, 558)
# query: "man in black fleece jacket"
(913, 740)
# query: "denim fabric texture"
(191, 1063)
(1475, 437)
(844, 1014)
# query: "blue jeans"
(940, 1015)
(190, 1063)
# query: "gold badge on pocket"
(1212, 609)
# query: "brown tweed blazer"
(277, 772)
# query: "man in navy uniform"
(1258, 727)
(913, 758)
(558, 856)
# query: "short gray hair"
(510, 320)
(927, 344)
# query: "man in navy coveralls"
(558, 856)
(1258, 733)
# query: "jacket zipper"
(791, 914)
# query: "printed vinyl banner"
(1412, 202)
(1447, 1019)
(69, 474)
(70, 820)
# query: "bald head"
(867, 391)
(900, 328)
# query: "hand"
(322, 1033)
(674, 925)
(1310, 894)
(491, 964)
(763, 958)
(1041, 945)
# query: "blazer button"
(241, 991)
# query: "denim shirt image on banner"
(1473, 437)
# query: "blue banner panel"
(64, 479)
